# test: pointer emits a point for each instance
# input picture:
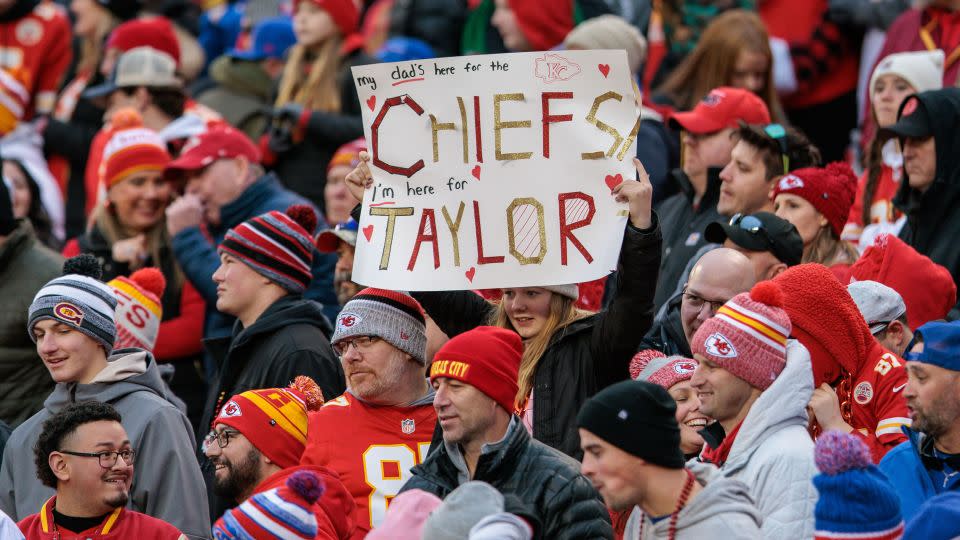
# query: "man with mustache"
(341, 240)
(85, 454)
(928, 463)
(382, 425)
(72, 321)
(255, 446)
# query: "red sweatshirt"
(120, 524)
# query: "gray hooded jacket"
(723, 509)
(166, 483)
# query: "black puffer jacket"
(933, 217)
(545, 480)
(583, 357)
(438, 22)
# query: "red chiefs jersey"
(372, 449)
(121, 524)
(37, 47)
(877, 407)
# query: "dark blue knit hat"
(856, 499)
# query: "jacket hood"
(336, 502)
(781, 405)
(288, 310)
(720, 496)
(927, 288)
(826, 320)
(943, 111)
(242, 76)
(127, 371)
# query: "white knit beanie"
(922, 69)
(609, 32)
(570, 290)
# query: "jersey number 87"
(386, 468)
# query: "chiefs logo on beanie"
(831, 190)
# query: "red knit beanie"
(830, 190)
(274, 419)
(155, 32)
(487, 358)
(653, 366)
(825, 320)
(748, 335)
(343, 12)
(132, 148)
(927, 288)
(545, 23)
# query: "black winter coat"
(585, 356)
(933, 216)
(667, 335)
(546, 481)
(438, 22)
(683, 226)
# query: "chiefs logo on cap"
(909, 107)
(682, 368)
(231, 410)
(68, 312)
(789, 182)
(713, 98)
(718, 345)
(349, 320)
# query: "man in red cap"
(256, 442)
(706, 142)
(475, 378)
(225, 186)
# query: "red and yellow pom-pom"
(150, 280)
(313, 396)
(125, 118)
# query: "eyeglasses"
(697, 302)
(222, 438)
(107, 459)
(360, 344)
(752, 225)
(779, 134)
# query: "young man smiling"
(72, 322)
(84, 454)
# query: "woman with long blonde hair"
(317, 109)
(734, 50)
(569, 354)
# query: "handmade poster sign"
(495, 171)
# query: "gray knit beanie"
(609, 32)
(393, 316)
(78, 299)
(570, 290)
(463, 508)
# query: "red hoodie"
(867, 378)
(334, 510)
(927, 288)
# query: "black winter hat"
(637, 417)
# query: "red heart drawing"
(372, 102)
(605, 69)
(368, 232)
(613, 181)
(476, 172)
(470, 273)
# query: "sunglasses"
(752, 225)
(778, 133)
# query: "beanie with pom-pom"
(276, 245)
(274, 420)
(78, 299)
(831, 190)
(285, 512)
(856, 499)
(139, 308)
(655, 367)
(131, 149)
(748, 335)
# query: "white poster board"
(495, 171)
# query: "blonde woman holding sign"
(569, 354)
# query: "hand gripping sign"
(495, 171)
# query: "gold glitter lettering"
(499, 125)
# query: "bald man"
(717, 276)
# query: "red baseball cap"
(219, 142)
(723, 107)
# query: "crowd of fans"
(184, 352)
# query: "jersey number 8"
(386, 468)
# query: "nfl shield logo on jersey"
(408, 426)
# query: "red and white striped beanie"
(653, 366)
(132, 148)
(748, 335)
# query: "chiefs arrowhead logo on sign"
(230, 410)
(719, 346)
(348, 320)
(682, 368)
(789, 182)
